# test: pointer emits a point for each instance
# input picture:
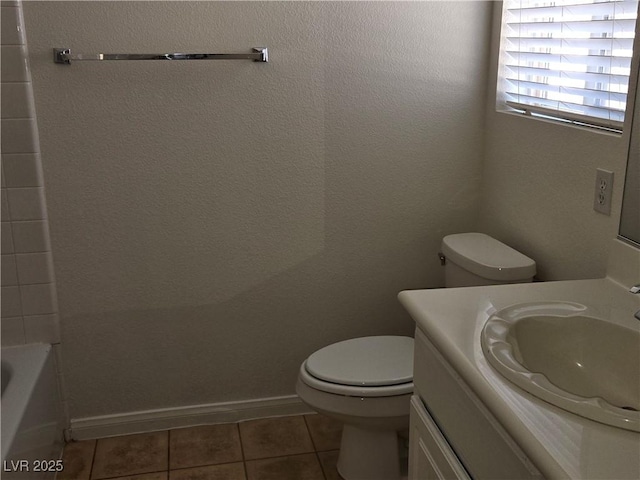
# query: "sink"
(564, 354)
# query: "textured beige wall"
(538, 188)
(213, 223)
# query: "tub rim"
(26, 363)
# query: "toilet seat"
(354, 391)
(380, 366)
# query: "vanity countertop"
(559, 443)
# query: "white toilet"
(367, 382)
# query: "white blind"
(569, 59)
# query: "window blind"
(568, 59)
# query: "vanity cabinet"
(452, 434)
(430, 455)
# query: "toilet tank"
(474, 259)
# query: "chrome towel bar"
(64, 56)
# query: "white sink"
(564, 354)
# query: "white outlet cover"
(603, 191)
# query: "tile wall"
(29, 302)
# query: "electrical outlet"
(603, 191)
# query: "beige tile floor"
(303, 447)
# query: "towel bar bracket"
(61, 55)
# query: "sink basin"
(564, 354)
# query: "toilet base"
(369, 454)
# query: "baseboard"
(168, 418)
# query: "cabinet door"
(430, 456)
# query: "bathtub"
(32, 420)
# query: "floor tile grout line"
(324, 474)
(119, 477)
(205, 465)
(306, 424)
(246, 472)
(244, 461)
(168, 452)
(280, 456)
(240, 440)
(244, 456)
(93, 459)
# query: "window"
(567, 59)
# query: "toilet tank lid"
(487, 257)
(365, 361)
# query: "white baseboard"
(168, 418)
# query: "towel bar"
(64, 56)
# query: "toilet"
(366, 383)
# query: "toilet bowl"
(367, 382)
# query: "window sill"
(561, 122)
